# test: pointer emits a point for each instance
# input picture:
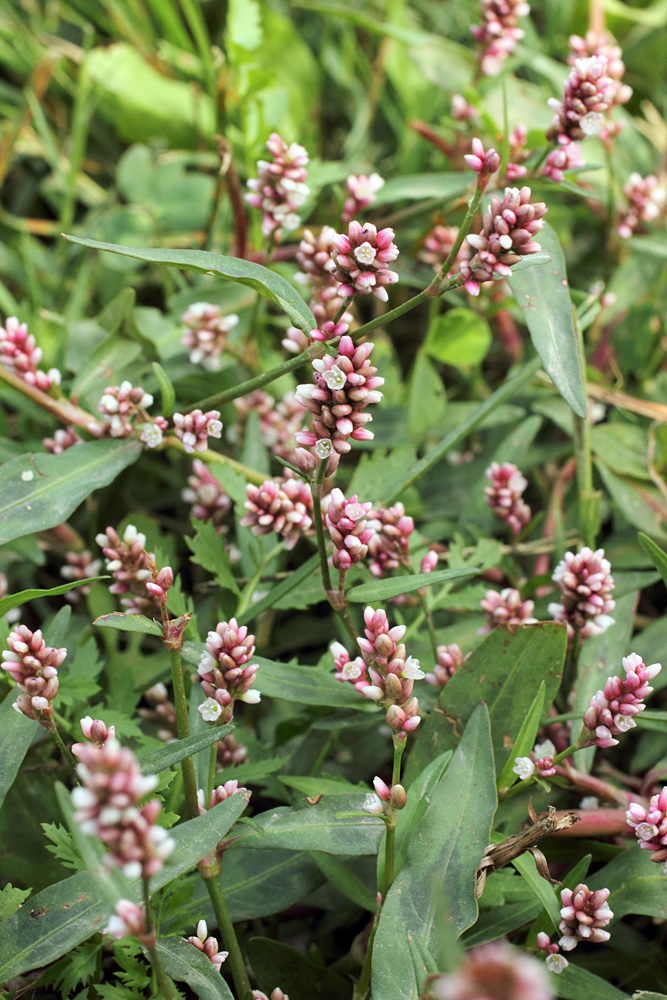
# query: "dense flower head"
(561, 160)
(195, 428)
(361, 259)
(317, 267)
(34, 667)
(94, 730)
(224, 668)
(363, 191)
(206, 494)
(280, 188)
(450, 659)
(120, 404)
(483, 162)
(612, 711)
(19, 353)
(505, 607)
(128, 563)
(152, 432)
(279, 421)
(219, 794)
(515, 168)
(647, 199)
(341, 390)
(284, 505)
(499, 32)
(504, 495)
(388, 547)
(587, 94)
(348, 528)
(347, 669)
(62, 440)
(206, 333)
(208, 945)
(650, 825)
(496, 971)
(79, 566)
(602, 44)
(586, 584)
(506, 236)
(392, 674)
(583, 916)
(438, 246)
(107, 805)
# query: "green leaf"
(62, 846)
(637, 885)
(129, 623)
(172, 753)
(377, 471)
(345, 881)
(167, 390)
(419, 799)
(274, 962)
(39, 491)
(244, 25)
(14, 600)
(459, 337)
(416, 187)
(623, 448)
(259, 883)
(319, 785)
(436, 887)
(525, 865)
(575, 983)
(640, 503)
(272, 286)
(499, 921)
(17, 732)
(382, 590)
(11, 899)
(283, 588)
(426, 397)
(525, 741)
(544, 296)
(657, 555)
(186, 964)
(209, 551)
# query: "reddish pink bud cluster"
(361, 259)
(450, 659)
(388, 547)
(62, 440)
(483, 162)
(496, 971)
(363, 191)
(277, 994)
(349, 531)
(225, 672)
(506, 608)
(206, 335)
(209, 945)
(280, 189)
(391, 674)
(650, 825)
(506, 236)
(107, 806)
(283, 505)
(603, 45)
(612, 711)
(230, 752)
(429, 561)
(160, 585)
(583, 916)
(209, 500)
(96, 731)
(438, 246)
(128, 564)
(317, 267)
(561, 160)
(279, 421)
(80, 566)
(219, 794)
(499, 32)
(19, 354)
(194, 429)
(587, 93)
(120, 404)
(34, 667)
(544, 766)
(385, 800)
(352, 671)
(161, 711)
(504, 495)
(646, 203)
(130, 919)
(586, 584)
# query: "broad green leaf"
(274, 962)
(503, 671)
(129, 623)
(636, 884)
(459, 337)
(172, 753)
(265, 282)
(525, 865)
(576, 983)
(499, 921)
(426, 399)
(345, 881)
(39, 491)
(623, 448)
(60, 917)
(640, 503)
(525, 741)
(259, 883)
(543, 294)
(17, 732)
(15, 600)
(382, 590)
(657, 555)
(166, 389)
(419, 799)
(185, 964)
(320, 785)
(436, 887)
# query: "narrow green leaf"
(319, 785)
(345, 881)
(39, 491)
(167, 391)
(275, 962)
(525, 740)
(543, 294)
(382, 590)
(657, 556)
(576, 983)
(525, 865)
(172, 753)
(272, 286)
(185, 964)
(129, 623)
(283, 588)
(14, 600)
(16, 734)
(499, 921)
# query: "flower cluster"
(583, 916)
(62, 440)
(647, 198)
(388, 547)
(612, 711)
(504, 495)
(352, 671)
(438, 246)
(450, 659)
(391, 673)
(555, 961)
(120, 404)
(483, 162)
(384, 800)
(561, 160)
(152, 432)
(283, 505)
(363, 190)
(342, 389)
(517, 154)
(128, 563)
(506, 608)
(317, 267)
(206, 334)
(194, 429)
(219, 794)
(587, 93)
(230, 752)
(79, 566)
(280, 189)
(96, 731)
(496, 971)
(361, 258)
(276, 994)
(461, 110)
(499, 32)
(586, 584)
(279, 421)
(107, 805)
(130, 919)
(349, 531)
(650, 825)
(34, 667)
(19, 353)
(207, 495)
(603, 45)
(506, 236)
(225, 673)
(209, 945)
(540, 762)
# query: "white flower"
(334, 378)
(568, 943)
(373, 804)
(323, 448)
(590, 802)
(151, 435)
(591, 124)
(365, 253)
(646, 831)
(202, 931)
(210, 710)
(373, 692)
(545, 749)
(524, 767)
(412, 669)
(556, 963)
(250, 697)
(352, 670)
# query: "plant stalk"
(335, 597)
(229, 939)
(166, 990)
(183, 725)
(57, 739)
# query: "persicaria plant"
(333, 513)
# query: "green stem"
(363, 983)
(335, 597)
(387, 317)
(431, 627)
(57, 739)
(346, 303)
(228, 939)
(244, 388)
(165, 986)
(60, 408)
(183, 724)
(217, 458)
(212, 767)
(520, 785)
(439, 284)
(390, 839)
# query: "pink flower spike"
(194, 429)
(360, 260)
(280, 188)
(206, 334)
(484, 163)
(650, 825)
(583, 916)
(494, 971)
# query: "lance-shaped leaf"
(172, 753)
(16, 734)
(129, 623)
(186, 964)
(657, 555)
(15, 600)
(382, 590)
(272, 286)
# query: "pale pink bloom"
(388, 547)
(283, 505)
(504, 495)
(506, 608)
(612, 711)
(544, 766)
(461, 110)
(646, 203)
(120, 404)
(152, 432)
(207, 495)
(206, 334)
(361, 259)
(583, 916)
(219, 794)
(352, 671)
(160, 585)
(517, 154)
(280, 189)
(348, 529)
(450, 659)
(225, 673)
(129, 919)
(19, 353)
(391, 673)
(127, 562)
(650, 825)
(363, 190)
(561, 160)
(95, 731)
(594, 44)
(586, 584)
(499, 32)
(587, 94)
(195, 428)
(62, 440)
(277, 994)
(79, 566)
(317, 267)
(438, 245)
(208, 945)
(34, 667)
(13, 614)
(496, 971)
(483, 162)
